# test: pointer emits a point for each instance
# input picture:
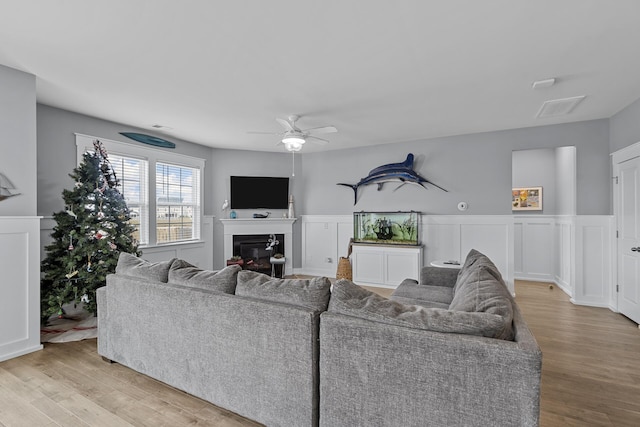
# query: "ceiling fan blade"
(317, 140)
(322, 129)
(263, 133)
(288, 126)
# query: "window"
(175, 197)
(177, 202)
(132, 176)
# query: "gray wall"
(625, 127)
(253, 163)
(57, 152)
(18, 156)
(536, 168)
(474, 168)
(565, 181)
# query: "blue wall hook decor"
(148, 139)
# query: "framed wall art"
(526, 199)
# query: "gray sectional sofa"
(451, 349)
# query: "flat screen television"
(259, 192)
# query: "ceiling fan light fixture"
(293, 139)
(293, 144)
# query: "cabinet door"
(402, 264)
(368, 266)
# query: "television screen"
(259, 192)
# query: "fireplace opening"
(254, 251)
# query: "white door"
(628, 219)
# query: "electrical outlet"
(328, 260)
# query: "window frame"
(153, 156)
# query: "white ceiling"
(380, 71)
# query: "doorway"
(542, 246)
(626, 200)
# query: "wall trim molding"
(571, 251)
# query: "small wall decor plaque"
(148, 139)
(526, 199)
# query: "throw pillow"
(352, 300)
(131, 265)
(183, 273)
(309, 293)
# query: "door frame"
(624, 154)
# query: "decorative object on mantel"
(344, 264)
(398, 172)
(7, 189)
(526, 199)
(261, 216)
(148, 139)
(388, 228)
(290, 211)
(233, 215)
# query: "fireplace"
(253, 252)
(281, 227)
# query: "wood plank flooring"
(591, 360)
(591, 377)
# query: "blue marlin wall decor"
(393, 172)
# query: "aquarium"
(389, 228)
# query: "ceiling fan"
(294, 138)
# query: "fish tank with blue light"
(388, 228)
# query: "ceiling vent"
(559, 107)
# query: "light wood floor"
(591, 377)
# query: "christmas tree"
(88, 237)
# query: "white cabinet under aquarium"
(386, 248)
(385, 266)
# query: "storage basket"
(344, 269)
(344, 265)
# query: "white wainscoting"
(325, 238)
(19, 286)
(594, 262)
(199, 253)
(451, 237)
(445, 237)
(564, 240)
(534, 246)
(574, 252)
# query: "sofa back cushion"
(350, 299)
(183, 273)
(131, 265)
(475, 259)
(480, 289)
(308, 293)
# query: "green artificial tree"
(88, 237)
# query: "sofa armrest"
(438, 276)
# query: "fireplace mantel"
(240, 226)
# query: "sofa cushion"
(481, 292)
(413, 290)
(183, 273)
(420, 302)
(131, 265)
(350, 299)
(309, 293)
(475, 259)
